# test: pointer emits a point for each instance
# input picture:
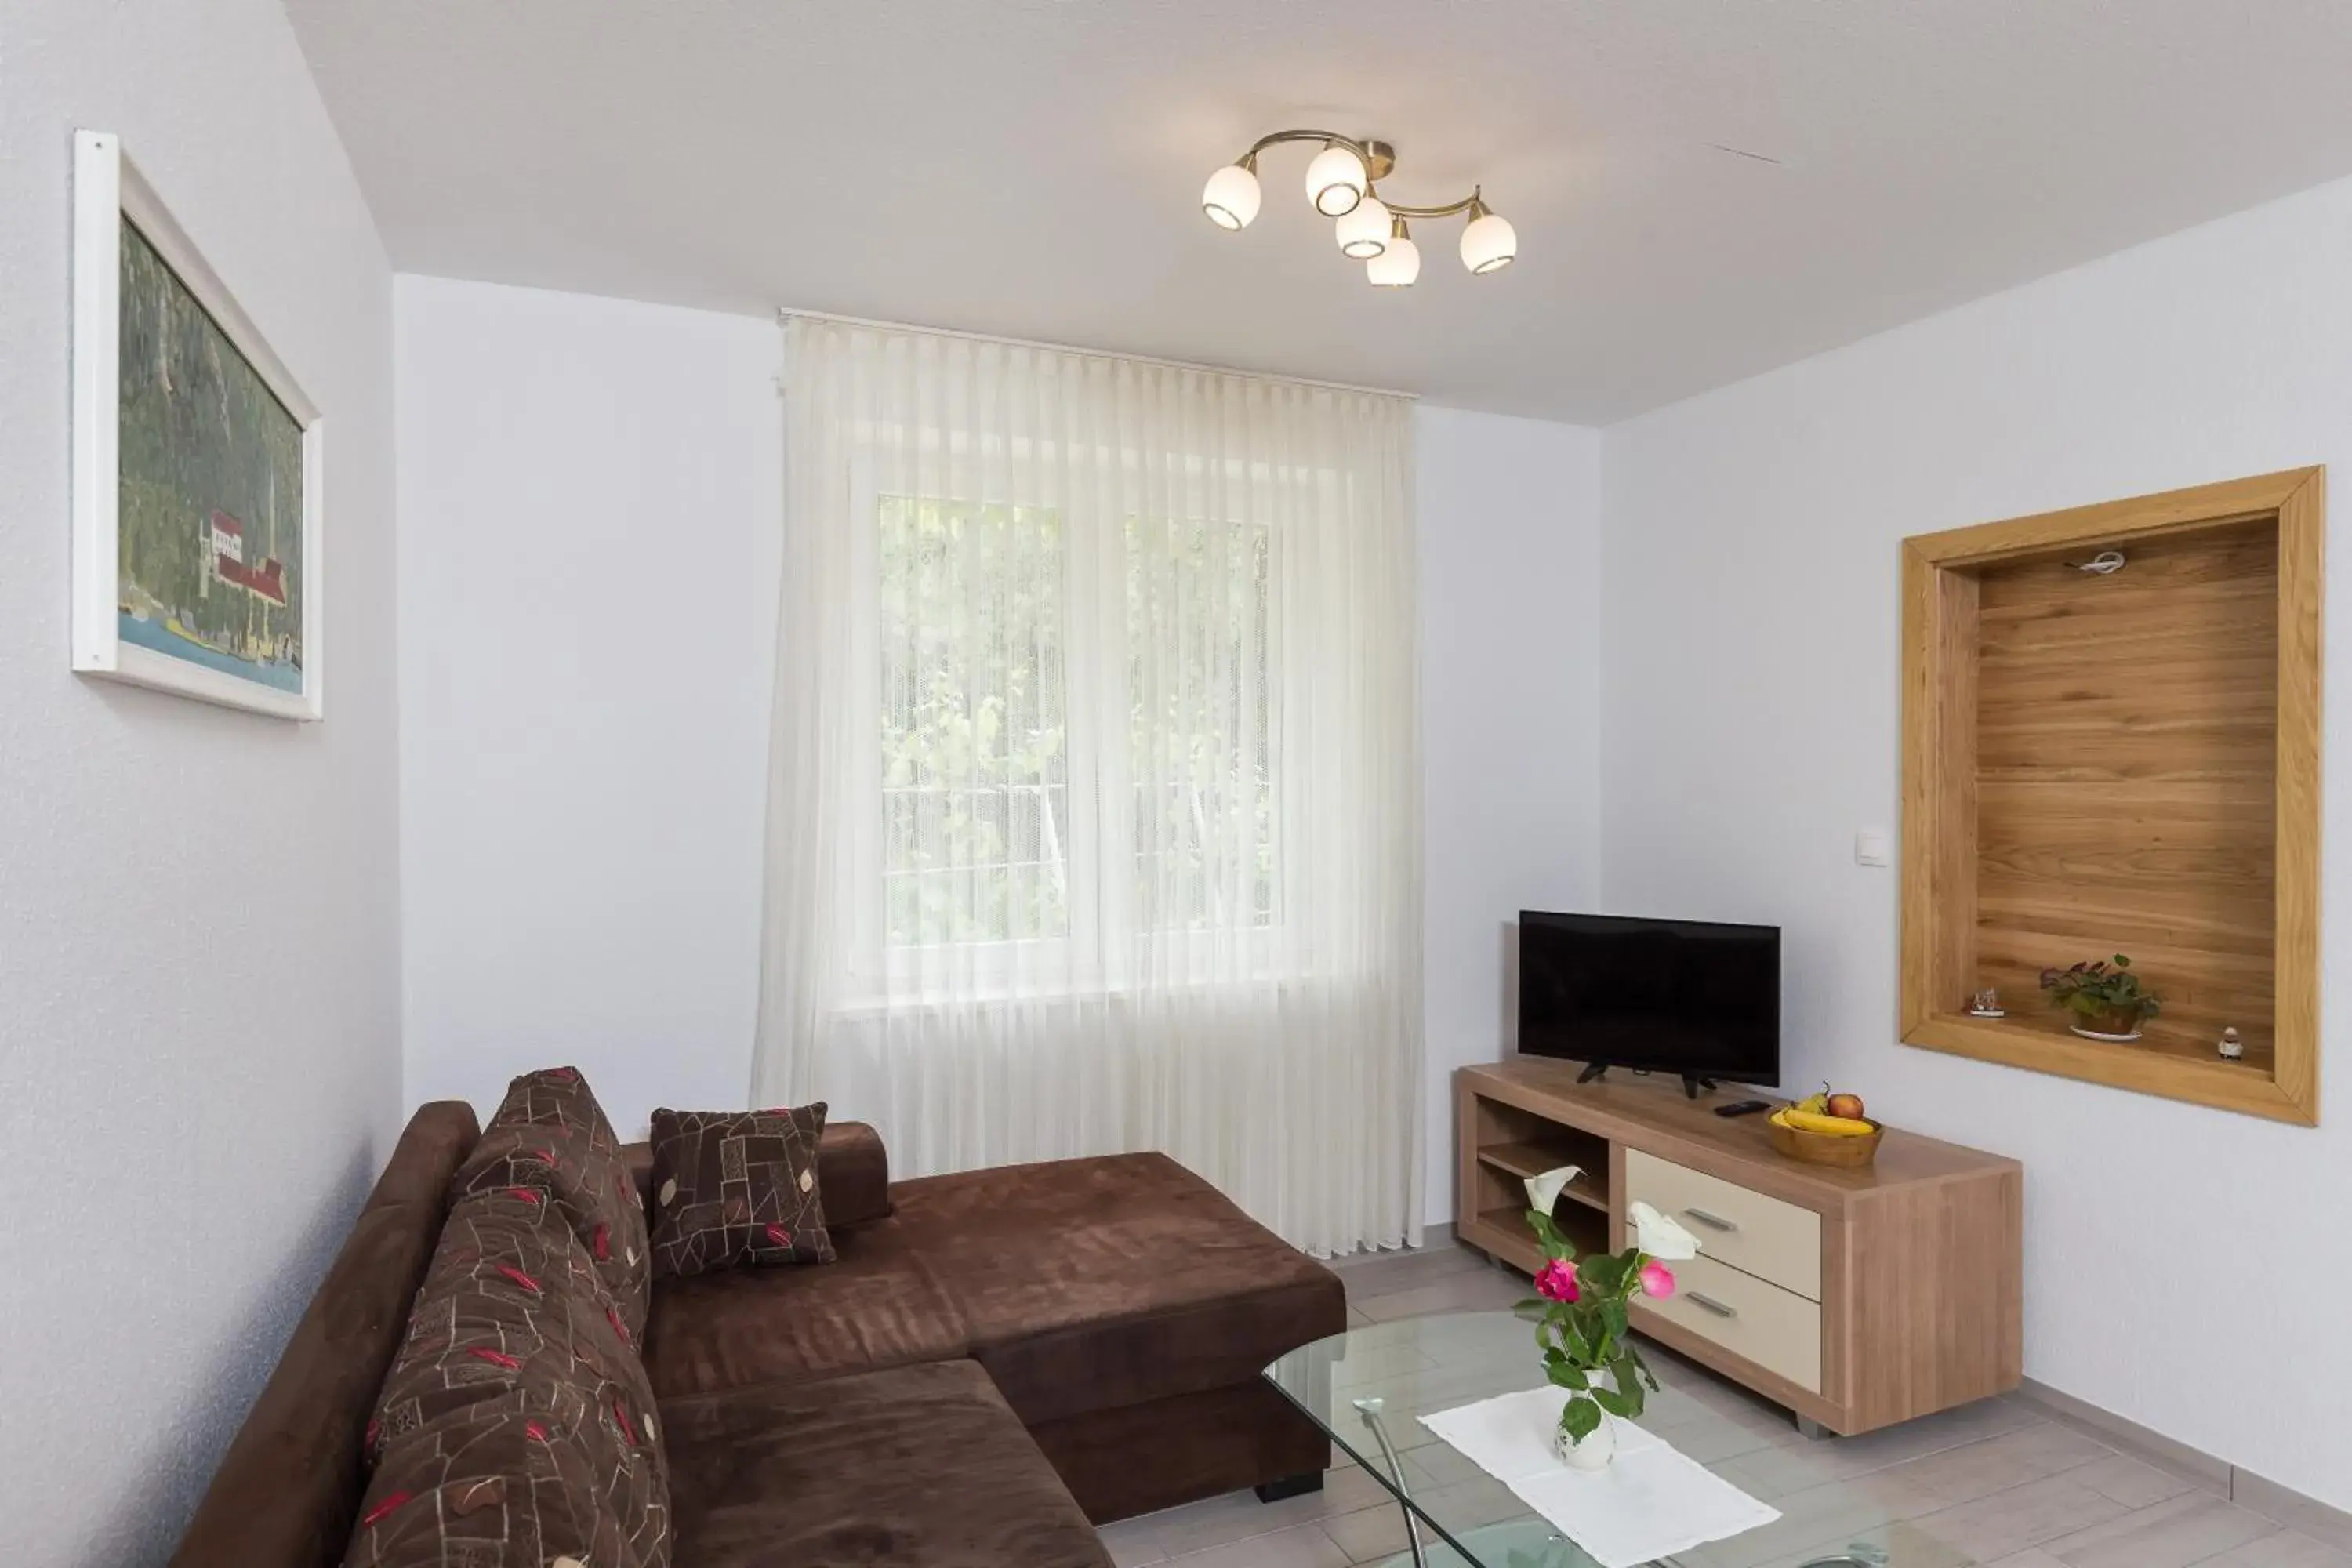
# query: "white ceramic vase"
(1595, 1448)
(1592, 1451)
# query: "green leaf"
(1613, 1312)
(1629, 1371)
(1546, 1232)
(1615, 1403)
(1566, 1374)
(1603, 1273)
(1581, 1417)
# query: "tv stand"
(1693, 1084)
(1856, 1298)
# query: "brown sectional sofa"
(998, 1360)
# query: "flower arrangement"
(1579, 1312)
(2103, 998)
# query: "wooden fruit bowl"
(1827, 1147)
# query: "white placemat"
(1650, 1502)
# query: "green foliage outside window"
(976, 624)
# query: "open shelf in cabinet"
(1506, 1146)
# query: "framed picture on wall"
(196, 496)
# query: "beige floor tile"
(2284, 1549)
(2031, 1557)
(2171, 1534)
(1301, 1546)
(1785, 1468)
(1816, 1522)
(2031, 1453)
(2024, 1516)
(1471, 1291)
(1385, 1273)
(1900, 1544)
(1373, 1534)
(1131, 1544)
(1237, 1516)
(1440, 1465)
(1711, 1435)
(2135, 1483)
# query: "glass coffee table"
(1369, 1387)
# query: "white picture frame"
(108, 193)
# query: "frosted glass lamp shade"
(1363, 233)
(1488, 244)
(1231, 196)
(1396, 267)
(1336, 181)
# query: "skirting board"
(2322, 1522)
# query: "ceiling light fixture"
(1363, 233)
(1342, 183)
(1231, 196)
(1399, 265)
(1336, 179)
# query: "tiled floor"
(1994, 1483)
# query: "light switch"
(1873, 847)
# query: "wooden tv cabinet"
(1856, 1299)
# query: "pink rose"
(1557, 1282)
(1657, 1279)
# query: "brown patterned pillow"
(516, 1410)
(737, 1187)
(549, 1134)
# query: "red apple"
(1846, 1105)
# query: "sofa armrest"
(853, 1173)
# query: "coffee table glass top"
(1374, 1383)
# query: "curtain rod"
(785, 313)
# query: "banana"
(1816, 1104)
(1834, 1126)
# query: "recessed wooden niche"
(2121, 762)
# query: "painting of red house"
(265, 581)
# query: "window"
(1199, 733)
(975, 773)
(985, 632)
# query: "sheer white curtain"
(1095, 807)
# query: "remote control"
(1743, 1107)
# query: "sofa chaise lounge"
(998, 1360)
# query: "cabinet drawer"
(1777, 1330)
(1764, 1237)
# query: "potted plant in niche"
(1579, 1312)
(2103, 1001)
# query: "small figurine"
(2232, 1047)
(1986, 1004)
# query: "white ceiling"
(1033, 168)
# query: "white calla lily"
(1659, 1236)
(1543, 1190)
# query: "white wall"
(199, 1063)
(1510, 612)
(1751, 727)
(589, 500)
(581, 838)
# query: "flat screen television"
(1691, 997)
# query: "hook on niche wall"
(2105, 563)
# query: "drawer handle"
(1716, 1220)
(1710, 1304)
